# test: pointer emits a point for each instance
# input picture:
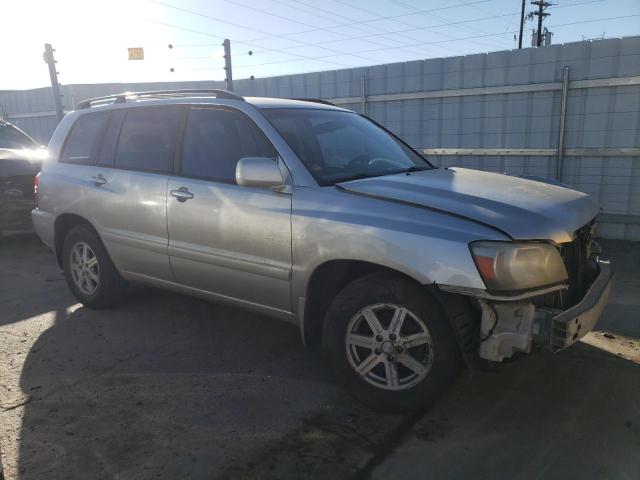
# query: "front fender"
(428, 246)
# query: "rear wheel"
(390, 343)
(90, 274)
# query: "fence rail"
(566, 111)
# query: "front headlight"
(508, 266)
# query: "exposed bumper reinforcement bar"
(571, 325)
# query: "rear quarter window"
(82, 144)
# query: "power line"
(327, 29)
(379, 34)
(300, 43)
(193, 12)
(443, 19)
(458, 39)
(362, 22)
(341, 17)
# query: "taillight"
(36, 181)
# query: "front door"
(224, 238)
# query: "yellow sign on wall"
(136, 53)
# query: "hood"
(523, 209)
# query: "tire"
(103, 287)
(404, 373)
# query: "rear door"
(228, 239)
(126, 188)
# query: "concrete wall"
(485, 102)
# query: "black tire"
(111, 288)
(388, 288)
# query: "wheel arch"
(326, 280)
(62, 225)
(332, 276)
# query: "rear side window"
(147, 139)
(83, 141)
(214, 141)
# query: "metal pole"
(228, 79)
(539, 41)
(521, 24)
(363, 88)
(563, 117)
(53, 75)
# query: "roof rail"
(123, 97)
(316, 100)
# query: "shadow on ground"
(172, 387)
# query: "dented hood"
(523, 209)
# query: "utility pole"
(521, 25)
(53, 75)
(541, 14)
(228, 79)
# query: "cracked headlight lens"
(506, 266)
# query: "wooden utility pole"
(541, 14)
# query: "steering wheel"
(360, 160)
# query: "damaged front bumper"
(509, 326)
(567, 327)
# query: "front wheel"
(390, 343)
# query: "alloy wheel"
(389, 346)
(84, 267)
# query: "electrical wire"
(366, 37)
(442, 41)
(349, 24)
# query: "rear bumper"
(43, 223)
(571, 325)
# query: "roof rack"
(316, 100)
(123, 97)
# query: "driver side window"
(214, 141)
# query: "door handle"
(182, 194)
(98, 179)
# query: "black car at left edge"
(20, 161)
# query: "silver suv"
(319, 216)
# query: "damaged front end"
(510, 327)
(552, 318)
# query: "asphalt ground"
(168, 386)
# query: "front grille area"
(576, 255)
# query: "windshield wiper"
(414, 168)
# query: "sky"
(271, 37)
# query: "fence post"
(563, 118)
(363, 101)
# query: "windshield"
(337, 146)
(11, 137)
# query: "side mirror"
(258, 172)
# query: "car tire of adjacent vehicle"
(405, 370)
(89, 271)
